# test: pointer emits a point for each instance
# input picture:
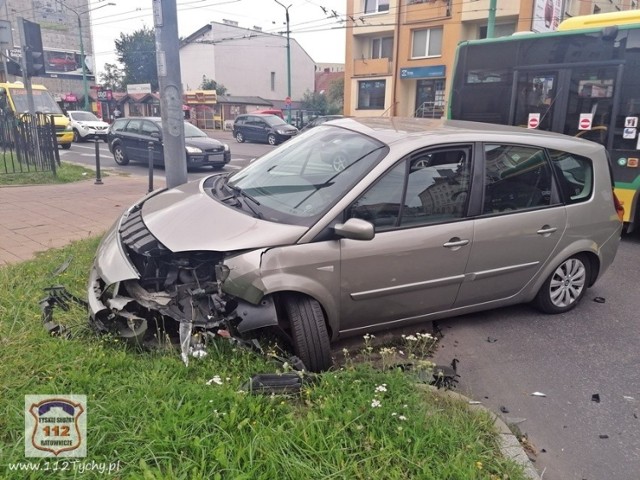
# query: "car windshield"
(191, 131)
(274, 120)
(84, 117)
(302, 179)
(42, 101)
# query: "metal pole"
(286, 9)
(23, 64)
(82, 61)
(150, 148)
(98, 175)
(491, 20)
(165, 18)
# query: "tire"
(308, 332)
(271, 139)
(239, 137)
(119, 155)
(76, 137)
(66, 146)
(565, 287)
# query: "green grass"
(161, 420)
(65, 173)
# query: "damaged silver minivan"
(360, 225)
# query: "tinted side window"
(118, 125)
(240, 120)
(516, 178)
(574, 175)
(148, 128)
(432, 187)
(133, 126)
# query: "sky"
(321, 34)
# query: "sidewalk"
(39, 217)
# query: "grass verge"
(153, 418)
(65, 173)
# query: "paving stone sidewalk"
(36, 218)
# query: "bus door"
(577, 101)
(590, 105)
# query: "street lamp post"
(286, 9)
(85, 84)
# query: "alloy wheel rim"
(567, 283)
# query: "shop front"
(429, 85)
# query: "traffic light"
(33, 49)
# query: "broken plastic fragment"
(628, 398)
(504, 409)
(185, 341)
(595, 398)
(599, 300)
(604, 436)
(491, 339)
(538, 394)
(474, 402)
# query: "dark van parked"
(129, 141)
(265, 128)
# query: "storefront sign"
(423, 72)
(199, 97)
(139, 88)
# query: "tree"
(137, 54)
(335, 97)
(314, 101)
(211, 84)
(112, 77)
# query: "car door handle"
(455, 242)
(546, 230)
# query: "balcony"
(372, 66)
(424, 10)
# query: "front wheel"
(309, 332)
(119, 155)
(76, 136)
(239, 137)
(272, 139)
(565, 286)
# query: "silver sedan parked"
(362, 225)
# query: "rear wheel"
(119, 155)
(239, 137)
(565, 286)
(309, 332)
(66, 146)
(272, 139)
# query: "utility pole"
(26, 79)
(165, 18)
(286, 9)
(491, 20)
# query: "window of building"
(427, 43)
(273, 81)
(376, 6)
(371, 94)
(382, 47)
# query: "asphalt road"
(241, 155)
(507, 354)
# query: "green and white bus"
(582, 80)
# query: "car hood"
(202, 142)
(286, 128)
(186, 218)
(91, 123)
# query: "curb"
(509, 444)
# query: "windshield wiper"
(239, 192)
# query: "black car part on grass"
(58, 296)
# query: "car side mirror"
(355, 229)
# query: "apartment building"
(400, 54)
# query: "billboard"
(546, 15)
(58, 64)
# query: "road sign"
(287, 101)
(534, 120)
(585, 121)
